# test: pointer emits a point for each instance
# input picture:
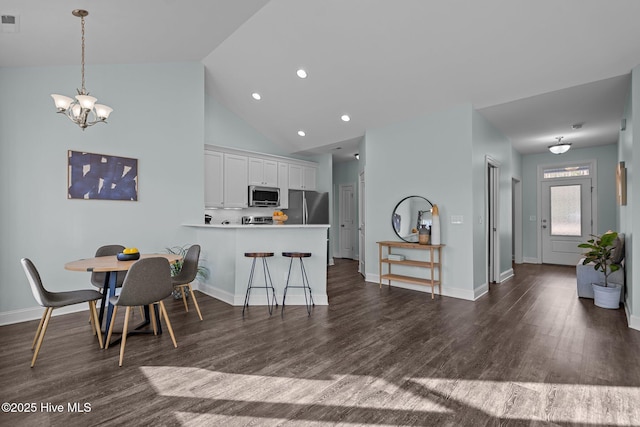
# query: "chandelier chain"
(82, 25)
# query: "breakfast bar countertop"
(258, 225)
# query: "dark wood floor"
(528, 353)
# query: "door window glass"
(566, 218)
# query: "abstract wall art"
(101, 176)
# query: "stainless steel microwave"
(264, 196)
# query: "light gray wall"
(158, 119)
(488, 141)
(629, 152)
(606, 158)
(429, 156)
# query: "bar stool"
(267, 286)
(305, 280)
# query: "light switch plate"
(457, 219)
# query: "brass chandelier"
(83, 111)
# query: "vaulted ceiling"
(531, 67)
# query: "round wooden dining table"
(110, 265)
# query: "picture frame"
(621, 184)
(92, 176)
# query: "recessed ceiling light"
(301, 133)
(345, 118)
(256, 96)
(301, 73)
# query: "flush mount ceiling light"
(560, 147)
(301, 133)
(256, 96)
(345, 118)
(83, 111)
(301, 73)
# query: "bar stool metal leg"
(268, 283)
(309, 302)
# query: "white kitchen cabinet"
(283, 184)
(236, 193)
(302, 177)
(213, 179)
(263, 172)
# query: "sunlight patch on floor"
(341, 390)
(545, 402)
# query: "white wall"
(158, 119)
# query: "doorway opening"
(492, 214)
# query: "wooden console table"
(434, 263)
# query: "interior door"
(347, 221)
(361, 221)
(565, 219)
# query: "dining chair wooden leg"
(95, 323)
(184, 298)
(141, 312)
(125, 328)
(152, 315)
(195, 301)
(166, 320)
(113, 322)
(41, 337)
(35, 338)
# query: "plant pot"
(606, 296)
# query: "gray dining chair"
(188, 274)
(147, 283)
(51, 300)
(97, 277)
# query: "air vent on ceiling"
(10, 23)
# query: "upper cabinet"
(236, 192)
(229, 172)
(283, 184)
(302, 177)
(213, 179)
(263, 172)
(225, 180)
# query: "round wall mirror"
(409, 216)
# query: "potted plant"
(203, 272)
(600, 253)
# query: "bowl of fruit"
(129, 254)
(279, 217)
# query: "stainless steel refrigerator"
(307, 207)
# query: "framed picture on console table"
(101, 176)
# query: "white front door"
(347, 221)
(566, 219)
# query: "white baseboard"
(446, 291)
(480, 291)
(528, 260)
(506, 275)
(258, 297)
(632, 321)
(35, 313)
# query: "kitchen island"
(224, 246)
